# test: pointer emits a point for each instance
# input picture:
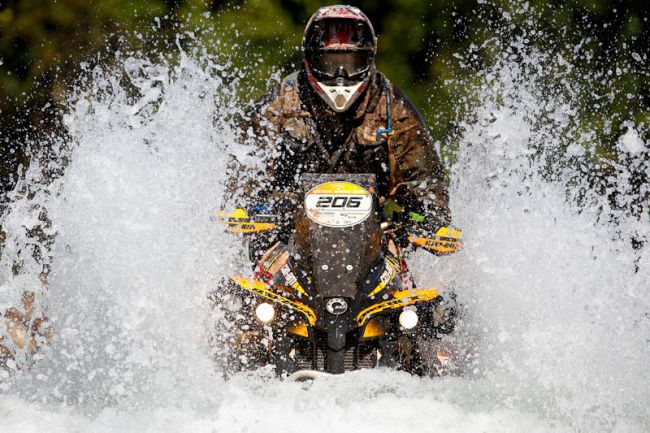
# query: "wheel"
(283, 364)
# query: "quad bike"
(334, 298)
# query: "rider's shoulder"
(279, 88)
(285, 96)
(290, 80)
(403, 109)
(398, 98)
(288, 84)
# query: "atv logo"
(338, 204)
(336, 306)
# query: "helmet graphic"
(339, 46)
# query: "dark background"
(44, 43)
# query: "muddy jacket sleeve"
(417, 176)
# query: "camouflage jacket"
(293, 132)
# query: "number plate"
(338, 204)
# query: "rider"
(339, 114)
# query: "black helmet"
(339, 48)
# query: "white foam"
(556, 307)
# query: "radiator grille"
(364, 355)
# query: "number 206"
(339, 201)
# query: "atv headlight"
(265, 312)
(408, 319)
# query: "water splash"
(554, 276)
(552, 281)
(133, 242)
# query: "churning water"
(124, 206)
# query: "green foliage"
(43, 44)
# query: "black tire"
(280, 359)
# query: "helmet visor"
(340, 47)
(343, 33)
(329, 64)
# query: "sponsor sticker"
(338, 204)
(291, 279)
(443, 358)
